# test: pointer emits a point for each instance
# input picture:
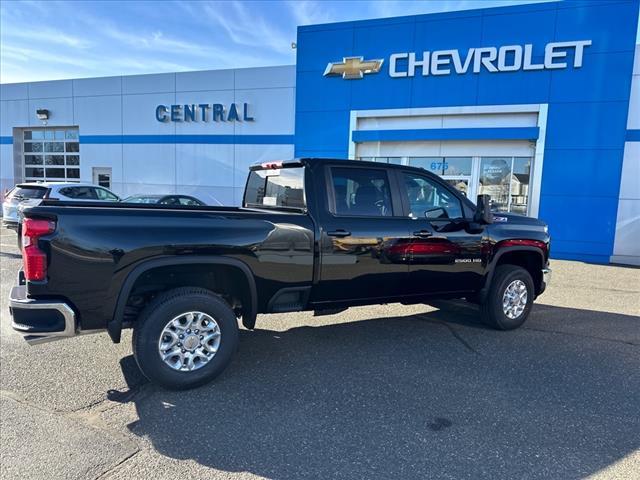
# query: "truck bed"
(97, 244)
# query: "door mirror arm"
(483, 214)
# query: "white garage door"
(51, 154)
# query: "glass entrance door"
(506, 179)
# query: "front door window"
(457, 171)
(428, 199)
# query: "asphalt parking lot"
(378, 392)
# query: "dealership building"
(537, 105)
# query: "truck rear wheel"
(185, 338)
(510, 298)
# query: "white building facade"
(194, 132)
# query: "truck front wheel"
(185, 338)
(510, 298)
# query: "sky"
(53, 40)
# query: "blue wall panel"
(590, 172)
(535, 27)
(587, 106)
(333, 93)
(368, 42)
(579, 218)
(513, 87)
(443, 91)
(587, 125)
(611, 26)
(323, 131)
(316, 48)
(458, 33)
(594, 81)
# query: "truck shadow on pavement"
(426, 396)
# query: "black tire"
(491, 309)
(156, 315)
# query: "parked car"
(312, 234)
(29, 194)
(169, 199)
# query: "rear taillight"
(35, 260)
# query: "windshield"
(275, 188)
(25, 192)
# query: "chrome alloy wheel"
(189, 341)
(514, 300)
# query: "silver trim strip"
(38, 338)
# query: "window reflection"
(462, 185)
(428, 199)
(520, 184)
(506, 179)
(495, 173)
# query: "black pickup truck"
(312, 234)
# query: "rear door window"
(362, 192)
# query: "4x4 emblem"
(352, 68)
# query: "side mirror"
(483, 210)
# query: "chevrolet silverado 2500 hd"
(312, 234)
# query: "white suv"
(32, 193)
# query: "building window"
(506, 179)
(520, 185)
(394, 160)
(455, 170)
(51, 154)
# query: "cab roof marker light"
(276, 164)
(271, 165)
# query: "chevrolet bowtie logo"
(353, 67)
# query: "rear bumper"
(40, 321)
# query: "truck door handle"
(423, 234)
(339, 233)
